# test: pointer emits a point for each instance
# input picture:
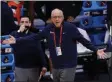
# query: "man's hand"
(101, 53)
(11, 40)
(44, 70)
(22, 28)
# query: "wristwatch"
(18, 31)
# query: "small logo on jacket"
(64, 32)
(51, 32)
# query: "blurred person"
(62, 38)
(70, 18)
(16, 6)
(29, 57)
(39, 24)
(48, 21)
(7, 19)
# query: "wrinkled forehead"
(56, 13)
(25, 19)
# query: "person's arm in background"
(49, 62)
(51, 65)
(43, 59)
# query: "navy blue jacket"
(7, 19)
(28, 55)
(69, 51)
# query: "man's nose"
(57, 18)
(23, 24)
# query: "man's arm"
(42, 55)
(78, 36)
(30, 38)
(36, 36)
(43, 59)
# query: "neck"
(58, 27)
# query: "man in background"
(29, 57)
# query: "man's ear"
(62, 17)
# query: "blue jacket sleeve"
(14, 34)
(37, 36)
(78, 36)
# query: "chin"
(58, 25)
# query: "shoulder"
(50, 25)
(69, 25)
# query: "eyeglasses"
(57, 17)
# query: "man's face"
(25, 21)
(57, 18)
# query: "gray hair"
(57, 11)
